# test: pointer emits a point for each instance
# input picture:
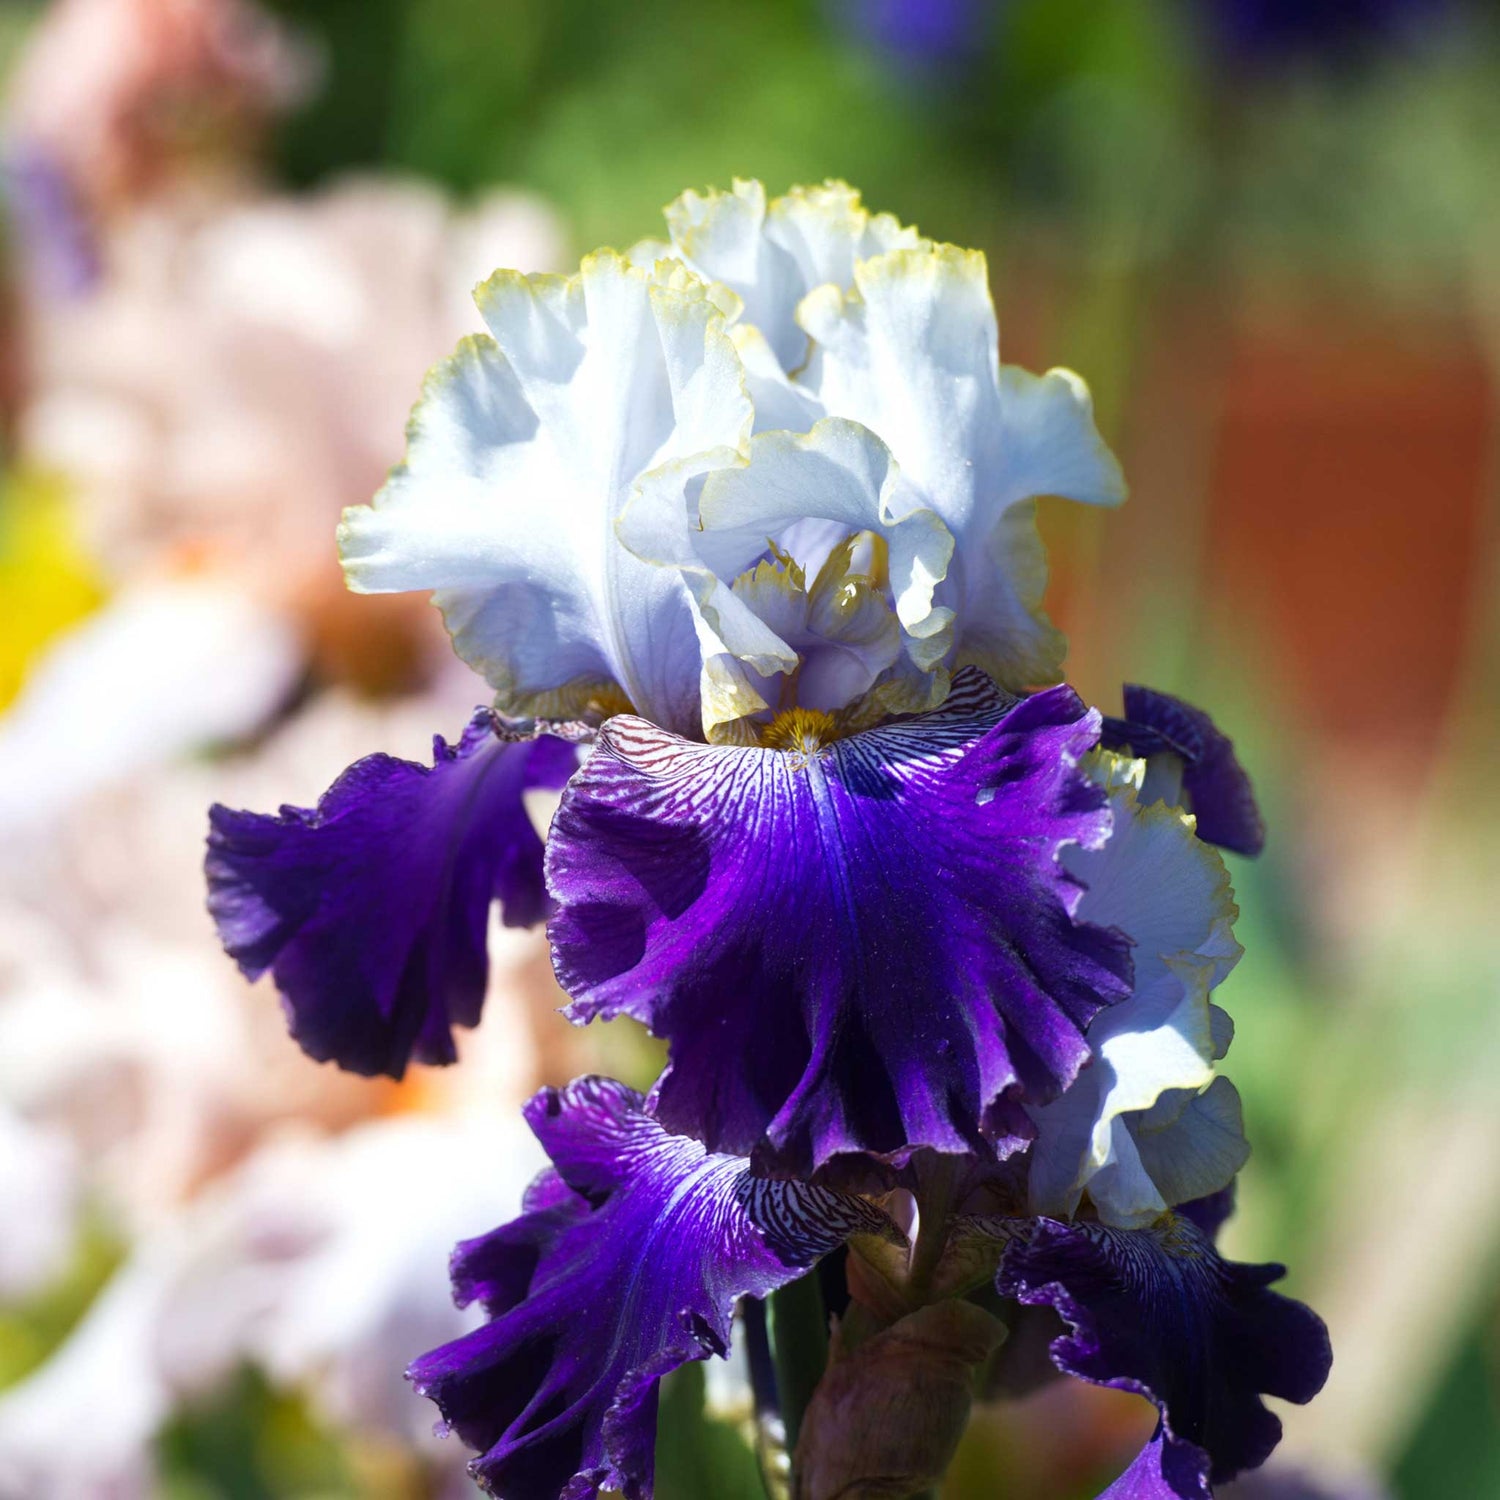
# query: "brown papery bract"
(887, 1418)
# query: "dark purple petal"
(626, 1263)
(1163, 1471)
(1210, 1214)
(1158, 1312)
(870, 948)
(1217, 789)
(496, 1269)
(371, 909)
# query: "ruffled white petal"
(1185, 1147)
(839, 471)
(1160, 884)
(843, 636)
(852, 636)
(524, 451)
(772, 255)
(1192, 1145)
(616, 407)
(912, 352)
(781, 404)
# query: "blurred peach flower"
(112, 97)
(240, 375)
(122, 1026)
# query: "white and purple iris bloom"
(740, 530)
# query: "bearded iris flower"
(740, 530)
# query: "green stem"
(770, 1434)
(799, 1341)
(935, 1198)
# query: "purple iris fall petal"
(1163, 1471)
(1217, 788)
(869, 947)
(371, 909)
(625, 1264)
(1158, 1312)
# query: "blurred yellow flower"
(47, 580)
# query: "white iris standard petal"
(911, 351)
(839, 473)
(582, 489)
(771, 255)
(524, 451)
(1189, 1145)
(1148, 1102)
(843, 634)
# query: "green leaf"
(697, 1453)
(248, 1441)
(1455, 1449)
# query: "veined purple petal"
(1217, 788)
(1158, 1312)
(866, 948)
(625, 1264)
(371, 909)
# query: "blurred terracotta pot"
(1346, 517)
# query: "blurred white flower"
(164, 669)
(319, 1261)
(39, 1186)
(110, 96)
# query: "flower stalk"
(799, 1340)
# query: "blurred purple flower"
(1252, 32)
(57, 244)
(926, 35)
